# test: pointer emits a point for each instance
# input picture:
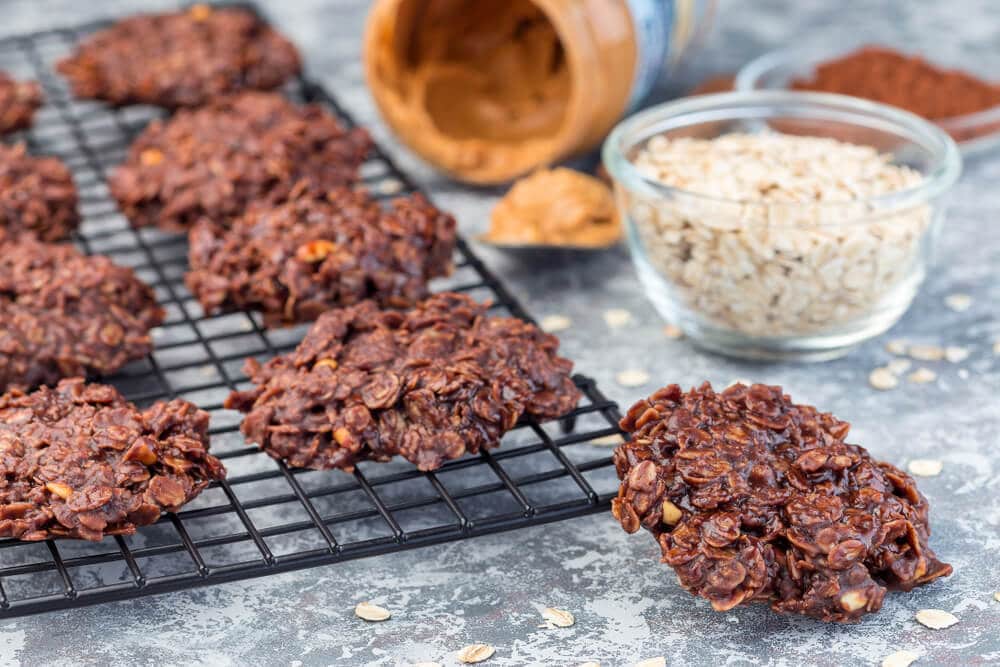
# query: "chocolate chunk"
(294, 260)
(754, 498)
(37, 195)
(18, 102)
(180, 59)
(214, 161)
(64, 314)
(429, 384)
(70, 468)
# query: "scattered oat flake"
(632, 378)
(673, 331)
(554, 323)
(956, 354)
(996, 348)
(474, 653)
(958, 302)
(922, 376)
(963, 373)
(996, 596)
(897, 347)
(652, 662)
(616, 318)
(925, 467)
(559, 618)
(589, 664)
(371, 612)
(426, 664)
(900, 659)
(883, 379)
(899, 366)
(926, 352)
(936, 619)
(390, 187)
(608, 440)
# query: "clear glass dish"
(976, 133)
(762, 313)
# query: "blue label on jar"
(653, 21)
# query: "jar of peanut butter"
(487, 90)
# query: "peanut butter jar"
(487, 90)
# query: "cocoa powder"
(909, 82)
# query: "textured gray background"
(628, 606)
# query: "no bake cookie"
(180, 59)
(37, 195)
(296, 259)
(214, 161)
(429, 384)
(80, 461)
(64, 314)
(754, 498)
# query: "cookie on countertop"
(294, 260)
(180, 59)
(214, 161)
(18, 102)
(80, 461)
(753, 498)
(64, 314)
(37, 195)
(429, 384)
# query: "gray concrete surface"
(628, 606)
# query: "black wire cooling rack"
(267, 518)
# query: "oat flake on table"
(958, 302)
(474, 653)
(554, 323)
(372, 612)
(897, 347)
(616, 318)
(926, 352)
(925, 467)
(883, 379)
(922, 376)
(936, 619)
(902, 658)
(559, 618)
(632, 378)
(955, 354)
(659, 661)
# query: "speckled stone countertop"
(628, 607)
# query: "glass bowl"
(976, 133)
(776, 280)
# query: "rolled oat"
(922, 376)
(900, 659)
(781, 238)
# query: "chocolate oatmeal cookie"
(294, 260)
(754, 498)
(64, 314)
(80, 461)
(37, 195)
(213, 161)
(429, 384)
(18, 102)
(181, 59)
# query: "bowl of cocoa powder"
(963, 103)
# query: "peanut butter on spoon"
(556, 207)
